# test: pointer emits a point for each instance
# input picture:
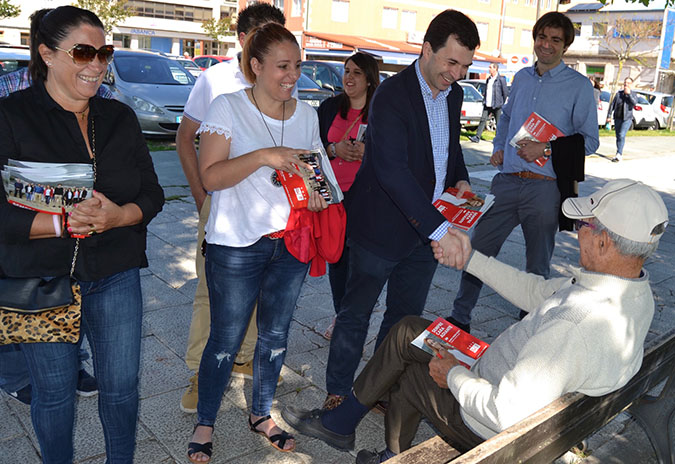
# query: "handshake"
(453, 249)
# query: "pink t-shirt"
(345, 171)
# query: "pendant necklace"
(82, 114)
(283, 119)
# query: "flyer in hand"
(443, 335)
(464, 212)
(539, 129)
(321, 179)
(361, 135)
(51, 188)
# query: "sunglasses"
(578, 224)
(82, 54)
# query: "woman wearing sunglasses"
(245, 137)
(60, 119)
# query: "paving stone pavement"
(168, 288)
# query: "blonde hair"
(258, 43)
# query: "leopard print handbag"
(35, 310)
(61, 324)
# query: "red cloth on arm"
(316, 237)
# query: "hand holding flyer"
(463, 212)
(538, 129)
(442, 335)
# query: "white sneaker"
(617, 158)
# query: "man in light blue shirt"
(526, 191)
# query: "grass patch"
(160, 145)
(639, 133)
(175, 198)
(486, 135)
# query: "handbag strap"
(93, 157)
(344, 136)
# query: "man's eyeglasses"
(579, 223)
(83, 54)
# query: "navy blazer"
(390, 211)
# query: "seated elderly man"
(583, 333)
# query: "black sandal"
(280, 438)
(205, 448)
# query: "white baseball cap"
(626, 207)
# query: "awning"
(479, 67)
(321, 52)
(393, 57)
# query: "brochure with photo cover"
(464, 212)
(321, 179)
(52, 188)
(539, 129)
(361, 135)
(443, 335)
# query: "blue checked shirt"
(19, 80)
(439, 128)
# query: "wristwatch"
(333, 150)
(547, 149)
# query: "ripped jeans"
(236, 277)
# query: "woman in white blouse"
(245, 136)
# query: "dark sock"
(346, 417)
(386, 454)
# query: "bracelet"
(57, 224)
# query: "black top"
(33, 127)
(327, 112)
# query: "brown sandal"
(280, 438)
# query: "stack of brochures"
(443, 336)
(320, 179)
(48, 187)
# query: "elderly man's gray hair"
(626, 246)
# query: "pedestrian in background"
(496, 92)
(621, 109)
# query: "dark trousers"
(401, 369)
(487, 111)
(408, 282)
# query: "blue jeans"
(407, 289)
(236, 277)
(621, 130)
(14, 373)
(531, 203)
(112, 310)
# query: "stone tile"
(157, 294)
(173, 271)
(162, 370)
(10, 427)
(170, 326)
(18, 449)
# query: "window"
(525, 38)
(482, 31)
(389, 18)
(145, 42)
(599, 29)
(408, 20)
(151, 9)
(25, 38)
(340, 11)
(297, 8)
(577, 29)
(507, 35)
(279, 4)
(484, 1)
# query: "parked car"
(190, 66)
(661, 104)
(13, 58)
(386, 74)
(310, 92)
(328, 74)
(154, 86)
(643, 114)
(472, 105)
(206, 61)
(479, 84)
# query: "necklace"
(283, 119)
(82, 114)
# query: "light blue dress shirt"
(563, 97)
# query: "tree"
(626, 40)
(7, 10)
(218, 28)
(110, 12)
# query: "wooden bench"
(553, 430)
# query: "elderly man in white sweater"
(584, 333)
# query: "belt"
(530, 175)
(275, 235)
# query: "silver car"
(154, 86)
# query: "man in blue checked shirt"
(526, 189)
(412, 155)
